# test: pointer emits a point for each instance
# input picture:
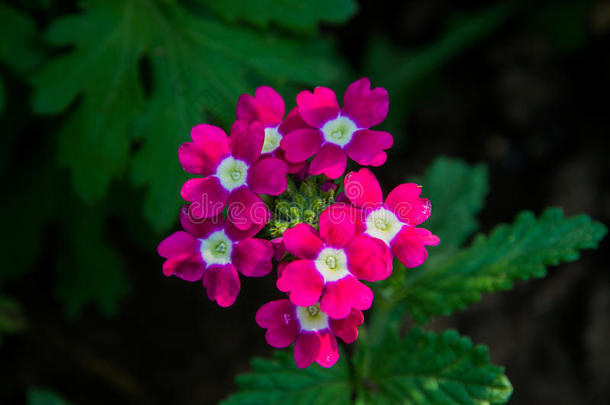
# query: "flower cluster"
(325, 236)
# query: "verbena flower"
(214, 250)
(331, 262)
(337, 132)
(268, 107)
(315, 333)
(393, 221)
(234, 173)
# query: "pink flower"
(340, 131)
(267, 106)
(394, 222)
(332, 262)
(215, 250)
(315, 333)
(234, 173)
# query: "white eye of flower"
(232, 173)
(339, 130)
(383, 224)
(272, 139)
(216, 248)
(312, 318)
(332, 264)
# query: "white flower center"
(339, 130)
(216, 248)
(383, 224)
(272, 139)
(332, 264)
(232, 173)
(312, 318)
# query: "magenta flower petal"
(366, 145)
(279, 320)
(330, 160)
(209, 146)
(292, 167)
(409, 245)
(343, 295)
(405, 202)
(207, 195)
(328, 353)
(362, 188)
(246, 140)
(379, 159)
(369, 258)
(337, 225)
(292, 122)
(252, 257)
(266, 106)
(301, 144)
(188, 267)
(221, 283)
(318, 107)
(365, 106)
(197, 226)
(236, 234)
(178, 243)
(302, 241)
(306, 349)
(268, 176)
(303, 281)
(347, 328)
(246, 209)
(279, 250)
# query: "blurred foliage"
(195, 65)
(458, 191)
(404, 71)
(298, 16)
(425, 368)
(12, 318)
(278, 381)
(18, 50)
(39, 396)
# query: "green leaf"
(18, 48)
(302, 15)
(511, 252)
(457, 192)
(17, 40)
(39, 396)
(197, 69)
(278, 381)
(424, 368)
(12, 318)
(90, 270)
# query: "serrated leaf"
(511, 252)
(424, 368)
(39, 396)
(196, 67)
(303, 15)
(90, 271)
(457, 192)
(278, 381)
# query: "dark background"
(529, 99)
